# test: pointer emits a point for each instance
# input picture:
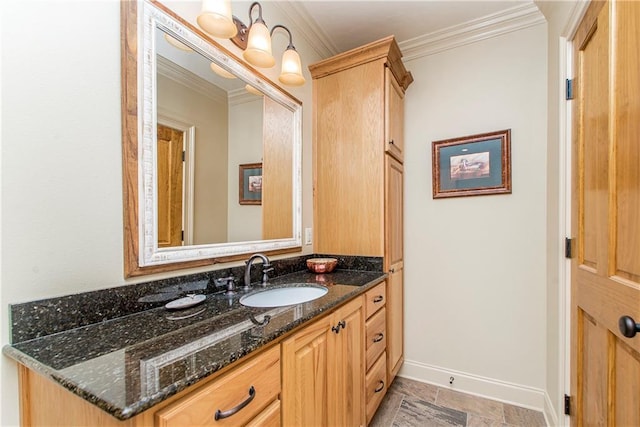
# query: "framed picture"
(472, 165)
(250, 184)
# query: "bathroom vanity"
(250, 366)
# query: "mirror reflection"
(191, 213)
(223, 170)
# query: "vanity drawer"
(260, 374)
(375, 336)
(376, 385)
(270, 417)
(374, 299)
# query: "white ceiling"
(334, 26)
(349, 24)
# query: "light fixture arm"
(259, 19)
(291, 46)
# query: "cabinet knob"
(392, 270)
(219, 415)
(628, 327)
(341, 324)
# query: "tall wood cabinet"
(358, 153)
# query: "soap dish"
(186, 302)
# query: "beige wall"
(245, 146)
(210, 118)
(61, 174)
(475, 267)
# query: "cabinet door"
(323, 372)
(305, 373)
(394, 262)
(394, 117)
(395, 322)
(394, 208)
(346, 392)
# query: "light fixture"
(221, 71)
(217, 20)
(176, 43)
(253, 90)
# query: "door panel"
(605, 369)
(394, 113)
(170, 178)
(627, 135)
(346, 391)
(304, 376)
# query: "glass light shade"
(221, 71)
(177, 44)
(291, 73)
(253, 90)
(216, 19)
(258, 51)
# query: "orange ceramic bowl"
(322, 265)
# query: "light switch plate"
(308, 235)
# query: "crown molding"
(305, 26)
(186, 78)
(503, 22)
(241, 96)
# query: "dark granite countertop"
(129, 364)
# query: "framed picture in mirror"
(250, 184)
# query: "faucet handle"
(229, 282)
(266, 269)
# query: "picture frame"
(473, 165)
(250, 184)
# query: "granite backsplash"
(44, 317)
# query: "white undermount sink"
(278, 297)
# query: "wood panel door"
(605, 371)
(170, 179)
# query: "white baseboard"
(515, 394)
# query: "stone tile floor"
(411, 403)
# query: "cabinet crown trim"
(386, 48)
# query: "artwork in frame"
(250, 184)
(472, 165)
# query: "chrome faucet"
(266, 268)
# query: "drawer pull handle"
(392, 142)
(378, 337)
(341, 324)
(380, 387)
(378, 298)
(225, 414)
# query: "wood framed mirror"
(185, 131)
